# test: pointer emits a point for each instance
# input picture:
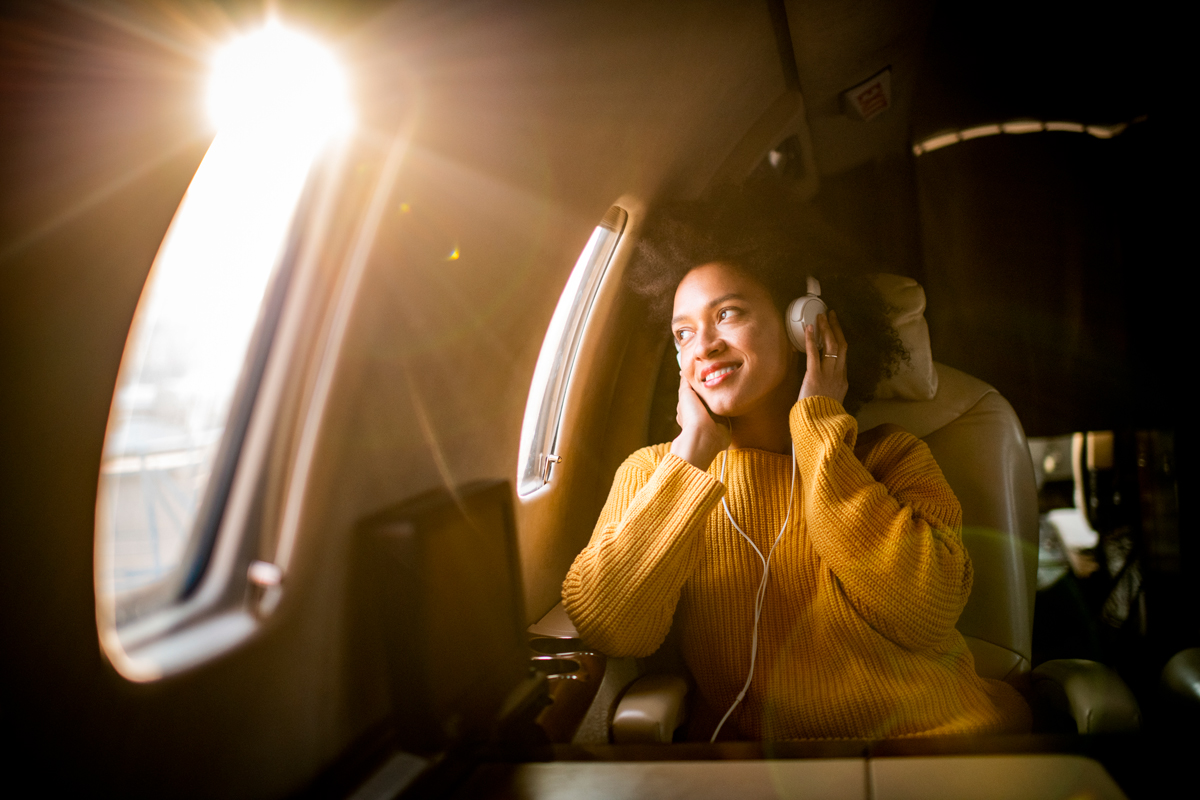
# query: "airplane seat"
(438, 604)
(977, 440)
(979, 443)
(1179, 690)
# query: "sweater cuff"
(693, 487)
(822, 419)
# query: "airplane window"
(543, 411)
(198, 341)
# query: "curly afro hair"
(778, 244)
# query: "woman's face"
(733, 348)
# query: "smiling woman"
(726, 314)
(781, 245)
(863, 531)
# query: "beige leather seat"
(979, 443)
(977, 440)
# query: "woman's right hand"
(825, 371)
(702, 435)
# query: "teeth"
(714, 375)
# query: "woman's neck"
(765, 427)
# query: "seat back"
(439, 582)
(979, 443)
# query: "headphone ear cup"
(802, 312)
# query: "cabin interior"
(423, 268)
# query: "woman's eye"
(725, 313)
(682, 336)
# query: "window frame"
(205, 605)
(541, 426)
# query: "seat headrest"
(957, 393)
(916, 379)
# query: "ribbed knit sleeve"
(622, 590)
(889, 529)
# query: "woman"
(814, 574)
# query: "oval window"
(556, 361)
(203, 326)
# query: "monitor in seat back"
(446, 599)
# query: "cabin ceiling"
(622, 85)
(624, 81)
(840, 44)
(580, 103)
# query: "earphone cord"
(761, 594)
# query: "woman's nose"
(708, 342)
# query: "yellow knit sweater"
(857, 636)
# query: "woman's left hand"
(825, 374)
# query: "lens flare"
(276, 78)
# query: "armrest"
(652, 708)
(1181, 677)
(1094, 695)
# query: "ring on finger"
(829, 355)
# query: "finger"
(811, 353)
(827, 337)
(686, 392)
(839, 336)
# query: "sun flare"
(278, 79)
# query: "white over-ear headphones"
(801, 313)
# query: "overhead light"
(1024, 126)
(979, 131)
(1019, 126)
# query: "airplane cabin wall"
(517, 152)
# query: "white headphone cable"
(761, 595)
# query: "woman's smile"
(715, 374)
(733, 350)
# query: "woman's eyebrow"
(710, 304)
(723, 298)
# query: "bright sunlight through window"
(277, 99)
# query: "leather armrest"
(651, 709)
(1094, 695)
(1181, 677)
